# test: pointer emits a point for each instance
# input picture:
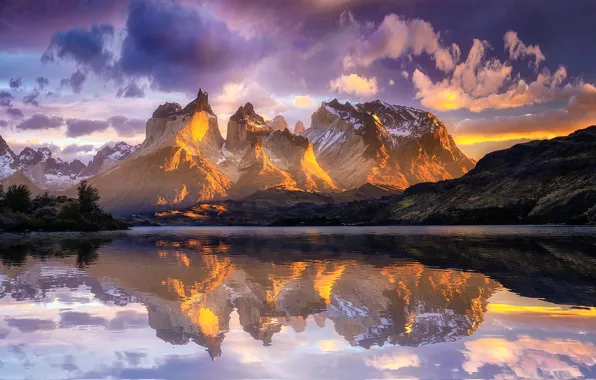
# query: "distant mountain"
(106, 158)
(278, 123)
(47, 171)
(386, 144)
(299, 127)
(544, 181)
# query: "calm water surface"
(300, 303)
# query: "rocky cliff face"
(384, 144)
(544, 181)
(173, 166)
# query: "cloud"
(354, 84)
(5, 99)
(30, 325)
(76, 81)
(405, 74)
(82, 127)
(127, 127)
(74, 149)
(391, 82)
(42, 82)
(132, 90)
(480, 149)
(303, 101)
(181, 48)
(86, 48)
(15, 113)
(237, 94)
(480, 83)
(578, 113)
(517, 49)
(15, 83)
(395, 38)
(393, 362)
(32, 99)
(40, 122)
(3, 123)
(529, 357)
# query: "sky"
(77, 74)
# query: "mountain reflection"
(376, 290)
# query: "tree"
(88, 197)
(45, 199)
(18, 198)
(2, 195)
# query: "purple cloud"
(74, 149)
(15, 83)
(127, 127)
(40, 121)
(15, 113)
(87, 48)
(180, 48)
(32, 99)
(42, 82)
(82, 127)
(132, 90)
(75, 82)
(5, 99)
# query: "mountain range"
(185, 160)
(43, 170)
(350, 167)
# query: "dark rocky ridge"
(544, 181)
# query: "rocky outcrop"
(299, 127)
(245, 128)
(543, 181)
(384, 144)
(173, 167)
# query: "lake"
(300, 303)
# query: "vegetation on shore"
(19, 211)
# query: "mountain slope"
(171, 167)
(384, 144)
(544, 181)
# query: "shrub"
(70, 211)
(18, 198)
(44, 200)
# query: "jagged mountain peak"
(167, 109)
(200, 104)
(299, 127)
(246, 114)
(278, 123)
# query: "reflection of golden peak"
(325, 280)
